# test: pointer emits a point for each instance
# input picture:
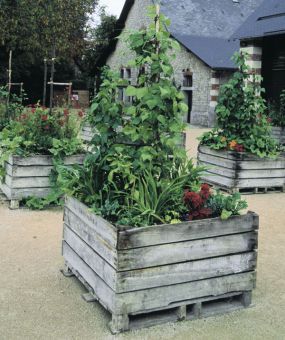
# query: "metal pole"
(51, 80)
(45, 82)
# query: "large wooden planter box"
(242, 172)
(29, 176)
(278, 133)
(145, 276)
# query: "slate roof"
(215, 52)
(268, 19)
(210, 18)
(203, 26)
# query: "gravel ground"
(37, 302)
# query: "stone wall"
(202, 74)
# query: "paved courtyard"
(37, 302)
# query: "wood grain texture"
(241, 170)
(27, 182)
(161, 234)
(100, 288)
(185, 272)
(144, 300)
(99, 225)
(100, 266)
(44, 160)
(185, 251)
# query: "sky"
(113, 6)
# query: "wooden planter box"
(145, 276)
(29, 176)
(278, 133)
(242, 172)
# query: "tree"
(37, 26)
(98, 40)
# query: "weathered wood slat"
(218, 180)
(186, 231)
(143, 300)
(185, 272)
(261, 182)
(103, 228)
(246, 174)
(100, 288)
(18, 194)
(90, 257)
(159, 297)
(185, 251)
(209, 160)
(87, 233)
(27, 182)
(44, 160)
(28, 171)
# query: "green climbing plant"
(242, 124)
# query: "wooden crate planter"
(29, 176)
(146, 276)
(241, 172)
(278, 133)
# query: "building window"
(187, 78)
(126, 74)
(187, 87)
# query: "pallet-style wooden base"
(183, 311)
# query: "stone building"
(263, 38)
(203, 29)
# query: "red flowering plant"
(196, 203)
(36, 130)
(207, 203)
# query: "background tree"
(32, 28)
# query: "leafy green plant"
(276, 111)
(37, 131)
(137, 172)
(226, 206)
(242, 124)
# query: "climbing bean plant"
(242, 124)
(137, 172)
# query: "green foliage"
(99, 38)
(241, 117)
(10, 110)
(276, 111)
(35, 25)
(36, 131)
(226, 206)
(137, 172)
